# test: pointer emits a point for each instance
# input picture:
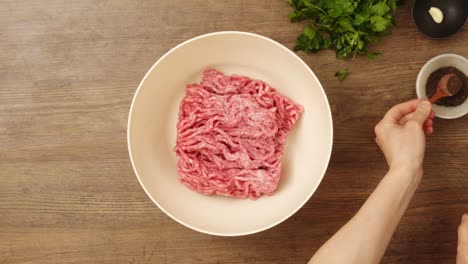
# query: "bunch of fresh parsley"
(348, 26)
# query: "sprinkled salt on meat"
(231, 135)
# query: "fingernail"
(426, 105)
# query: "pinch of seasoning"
(436, 14)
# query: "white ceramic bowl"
(444, 60)
(152, 132)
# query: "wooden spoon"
(448, 85)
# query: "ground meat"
(231, 134)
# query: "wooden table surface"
(68, 194)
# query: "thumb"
(422, 112)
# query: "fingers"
(407, 117)
(428, 130)
(463, 231)
(427, 126)
(428, 123)
(422, 112)
(462, 251)
(399, 111)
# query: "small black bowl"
(455, 16)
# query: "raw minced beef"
(231, 135)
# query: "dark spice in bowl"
(454, 100)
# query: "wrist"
(405, 165)
(407, 171)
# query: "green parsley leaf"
(379, 23)
(309, 32)
(373, 55)
(337, 8)
(392, 5)
(342, 74)
(379, 9)
(296, 16)
(360, 18)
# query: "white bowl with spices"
(443, 61)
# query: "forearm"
(365, 237)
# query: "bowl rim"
(313, 188)
(420, 89)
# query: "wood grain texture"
(67, 190)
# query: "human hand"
(401, 134)
(462, 250)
